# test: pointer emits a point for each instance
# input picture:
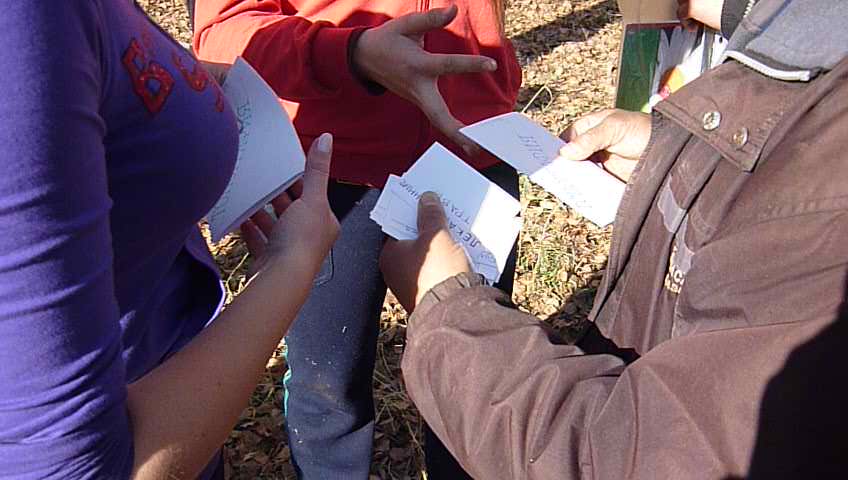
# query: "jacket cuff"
(330, 59)
(445, 289)
(369, 85)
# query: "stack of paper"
(481, 216)
(270, 157)
(529, 148)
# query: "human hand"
(615, 138)
(707, 12)
(393, 56)
(412, 267)
(305, 228)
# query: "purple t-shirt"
(114, 144)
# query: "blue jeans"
(331, 348)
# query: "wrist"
(427, 286)
(446, 288)
(356, 62)
(292, 263)
(710, 14)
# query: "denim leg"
(441, 465)
(331, 348)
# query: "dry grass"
(567, 50)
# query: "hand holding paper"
(527, 146)
(481, 217)
(616, 138)
(305, 228)
(412, 267)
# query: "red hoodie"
(301, 48)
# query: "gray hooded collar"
(792, 40)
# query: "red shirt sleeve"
(299, 58)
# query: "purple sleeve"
(62, 401)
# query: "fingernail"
(325, 143)
(429, 198)
(491, 65)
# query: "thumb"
(584, 145)
(431, 215)
(418, 23)
(317, 172)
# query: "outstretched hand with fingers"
(412, 267)
(615, 138)
(393, 56)
(306, 228)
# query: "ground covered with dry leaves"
(567, 50)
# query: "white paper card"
(532, 150)
(481, 216)
(270, 157)
(473, 198)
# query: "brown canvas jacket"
(726, 276)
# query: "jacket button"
(711, 120)
(740, 138)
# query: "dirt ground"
(567, 50)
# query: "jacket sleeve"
(509, 401)
(62, 402)
(300, 59)
(732, 13)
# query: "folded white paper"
(270, 157)
(481, 216)
(529, 148)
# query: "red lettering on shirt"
(197, 78)
(151, 82)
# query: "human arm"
(721, 15)
(707, 12)
(509, 400)
(184, 409)
(300, 59)
(66, 410)
(305, 60)
(63, 377)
